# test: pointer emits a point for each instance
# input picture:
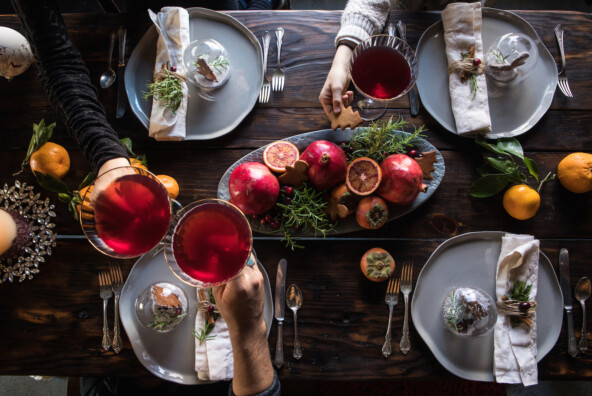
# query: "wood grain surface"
(52, 324)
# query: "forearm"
(67, 81)
(362, 19)
(253, 372)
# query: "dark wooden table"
(51, 325)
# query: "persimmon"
(377, 264)
(372, 212)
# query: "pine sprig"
(378, 140)
(167, 91)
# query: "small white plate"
(514, 110)
(471, 260)
(170, 356)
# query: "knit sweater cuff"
(355, 28)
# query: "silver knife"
(279, 307)
(121, 97)
(566, 289)
(413, 93)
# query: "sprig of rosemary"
(472, 77)
(499, 56)
(520, 291)
(378, 140)
(161, 322)
(204, 333)
(167, 91)
(219, 63)
(305, 211)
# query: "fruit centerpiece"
(313, 184)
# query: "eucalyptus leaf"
(488, 146)
(511, 146)
(489, 185)
(505, 165)
(532, 167)
(88, 179)
(52, 183)
(127, 142)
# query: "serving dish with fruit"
(335, 182)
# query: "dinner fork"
(266, 88)
(563, 84)
(391, 299)
(105, 292)
(116, 285)
(406, 280)
(277, 80)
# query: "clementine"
(170, 184)
(51, 159)
(136, 163)
(575, 172)
(521, 201)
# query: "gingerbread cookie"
(295, 175)
(346, 119)
(426, 163)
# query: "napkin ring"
(468, 65)
(168, 72)
(521, 310)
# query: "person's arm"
(67, 82)
(334, 96)
(240, 303)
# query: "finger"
(325, 102)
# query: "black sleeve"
(67, 82)
(275, 389)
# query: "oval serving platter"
(348, 224)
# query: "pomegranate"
(402, 179)
(327, 164)
(253, 188)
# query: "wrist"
(112, 164)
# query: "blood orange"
(279, 154)
(363, 176)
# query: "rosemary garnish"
(378, 140)
(305, 211)
(499, 56)
(454, 312)
(520, 291)
(204, 333)
(220, 63)
(163, 321)
(474, 86)
(167, 91)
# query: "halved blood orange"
(363, 176)
(279, 154)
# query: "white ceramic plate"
(471, 260)
(205, 120)
(348, 224)
(513, 110)
(170, 356)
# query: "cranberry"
(275, 224)
(268, 218)
(385, 154)
(210, 309)
(343, 144)
(289, 190)
(173, 69)
(283, 188)
(255, 217)
(419, 155)
(263, 221)
(524, 306)
(413, 153)
(288, 199)
(476, 61)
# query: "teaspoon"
(583, 289)
(294, 302)
(108, 77)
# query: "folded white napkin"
(172, 25)
(462, 30)
(213, 357)
(515, 347)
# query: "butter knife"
(413, 93)
(279, 308)
(121, 97)
(564, 281)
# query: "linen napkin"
(172, 25)
(462, 30)
(213, 357)
(515, 347)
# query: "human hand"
(240, 302)
(333, 96)
(104, 178)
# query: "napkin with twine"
(213, 356)
(515, 346)
(172, 25)
(466, 79)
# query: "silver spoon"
(108, 77)
(583, 290)
(294, 302)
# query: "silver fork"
(277, 80)
(563, 84)
(391, 299)
(105, 292)
(266, 88)
(116, 285)
(406, 280)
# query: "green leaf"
(489, 185)
(505, 166)
(510, 145)
(127, 142)
(52, 183)
(488, 146)
(142, 158)
(486, 169)
(64, 198)
(88, 179)
(41, 135)
(532, 167)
